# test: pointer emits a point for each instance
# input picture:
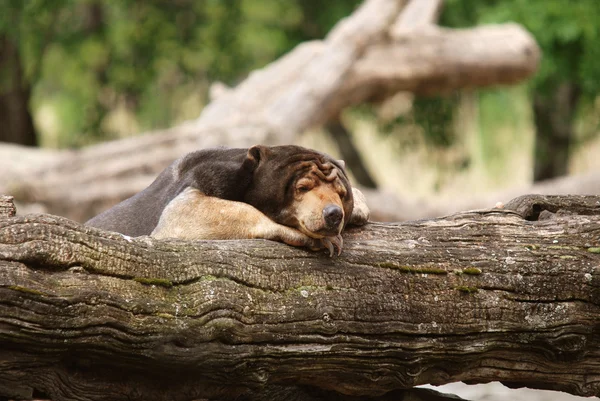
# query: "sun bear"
(285, 193)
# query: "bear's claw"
(331, 243)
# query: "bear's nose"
(333, 215)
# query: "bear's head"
(299, 188)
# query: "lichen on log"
(477, 296)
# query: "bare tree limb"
(435, 60)
(416, 14)
(386, 206)
(478, 296)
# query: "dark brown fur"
(291, 185)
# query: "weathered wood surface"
(381, 49)
(7, 207)
(478, 296)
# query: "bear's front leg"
(360, 211)
(192, 215)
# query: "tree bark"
(7, 207)
(497, 294)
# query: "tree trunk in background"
(554, 116)
(350, 154)
(94, 26)
(16, 123)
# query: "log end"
(7, 206)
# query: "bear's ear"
(256, 154)
(341, 163)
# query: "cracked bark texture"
(479, 296)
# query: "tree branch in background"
(416, 15)
(387, 206)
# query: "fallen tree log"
(490, 295)
(274, 105)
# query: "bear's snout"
(333, 216)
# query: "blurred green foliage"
(567, 32)
(86, 58)
(434, 114)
